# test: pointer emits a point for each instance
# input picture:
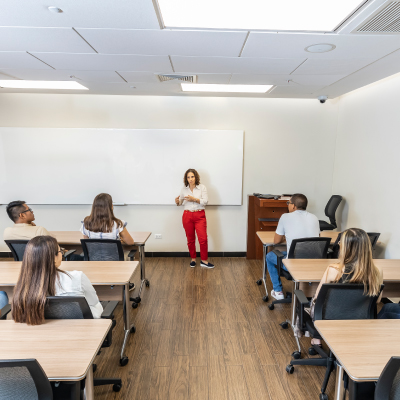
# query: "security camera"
(322, 99)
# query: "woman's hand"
(191, 198)
(177, 200)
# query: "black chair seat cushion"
(325, 226)
(286, 275)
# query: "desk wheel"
(265, 298)
(137, 299)
(123, 361)
(284, 325)
(323, 396)
(135, 305)
(117, 388)
(259, 282)
(132, 330)
(296, 355)
(147, 283)
(271, 306)
(289, 369)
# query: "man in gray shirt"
(298, 223)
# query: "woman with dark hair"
(40, 277)
(194, 198)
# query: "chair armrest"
(132, 254)
(303, 302)
(278, 253)
(280, 256)
(108, 312)
(4, 311)
(68, 253)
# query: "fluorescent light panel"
(21, 84)
(196, 87)
(279, 15)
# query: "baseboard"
(186, 254)
(6, 254)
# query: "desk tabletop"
(98, 272)
(363, 347)
(312, 270)
(64, 348)
(74, 237)
(267, 237)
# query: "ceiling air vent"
(184, 78)
(386, 21)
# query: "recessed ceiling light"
(278, 15)
(196, 87)
(20, 84)
(55, 10)
(320, 48)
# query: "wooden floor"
(206, 334)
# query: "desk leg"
(142, 272)
(128, 328)
(89, 387)
(339, 390)
(264, 278)
(296, 286)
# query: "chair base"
(286, 300)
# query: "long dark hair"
(196, 177)
(101, 218)
(36, 281)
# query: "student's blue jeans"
(272, 261)
(3, 299)
(390, 311)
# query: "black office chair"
(76, 307)
(4, 311)
(300, 248)
(335, 301)
(388, 386)
(334, 252)
(23, 380)
(107, 250)
(330, 211)
(17, 248)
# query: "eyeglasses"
(288, 202)
(29, 209)
(60, 251)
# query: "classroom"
(198, 200)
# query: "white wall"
(289, 147)
(367, 161)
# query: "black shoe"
(192, 264)
(209, 265)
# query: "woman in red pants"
(194, 199)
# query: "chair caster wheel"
(117, 388)
(147, 283)
(132, 330)
(289, 369)
(137, 300)
(323, 396)
(296, 355)
(123, 361)
(284, 325)
(312, 351)
(271, 306)
(265, 298)
(259, 282)
(135, 305)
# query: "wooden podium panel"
(263, 215)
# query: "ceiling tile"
(235, 65)
(165, 42)
(104, 62)
(294, 91)
(42, 39)
(331, 67)
(261, 79)
(124, 14)
(291, 45)
(20, 59)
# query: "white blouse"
(114, 234)
(199, 192)
(76, 283)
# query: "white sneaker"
(277, 295)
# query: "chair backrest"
(338, 301)
(102, 250)
(388, 386)
(316, 247)
(17, 248)
(331, 207)
(23, 380)
(373, 236)
(67, 307)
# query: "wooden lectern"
(263, 215)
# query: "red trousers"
(196, 222)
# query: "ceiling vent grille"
(184, 78)
(386, 21)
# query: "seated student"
(355, 266)
(298, 223)
(40, 277)
(24, 227)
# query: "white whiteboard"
(135, 166)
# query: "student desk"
(308, 273)
(362, 347)
(64, 348)
(267, 239)
(110, 279)
(73, 239)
